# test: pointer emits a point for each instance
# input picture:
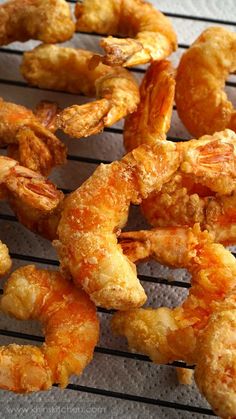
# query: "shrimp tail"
(46, 112)
(84, 120)
(151, 121)
(119, 51)
(30, 187)
(38, 149)
(207, 159)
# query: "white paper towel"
(114, 373)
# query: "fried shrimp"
(70, 325)
(152, 118)
(49, 21)
(150, 34)
(68, 69)
(30, 141)
(201, 101)
(215, 370)
(96, 211)
(5, 260)
(169, 334)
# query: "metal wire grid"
(145, 278)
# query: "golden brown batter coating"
(49, 21)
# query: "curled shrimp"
(215, 370)
(170, 334)
(5, 260)
(68, 69)
(70, 325)
(150, 34)
(201, 101)
(152, 118)
(94, 213)
(30, 141)
(185, 199)
(46, 20)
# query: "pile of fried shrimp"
(186, 191)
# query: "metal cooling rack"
(146, 278)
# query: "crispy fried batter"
(201, 101)
(68, 69)
(49, 21)
(149, 35)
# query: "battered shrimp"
(152, 118)
(170, 334)
(92, 215)
(215, 370)
(5, 260)
(70, 325)
(27, 187)
(152, 34)
(47, 20)
(201, 101)
(68, 69)
(30, 141)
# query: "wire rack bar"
(140, 399)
